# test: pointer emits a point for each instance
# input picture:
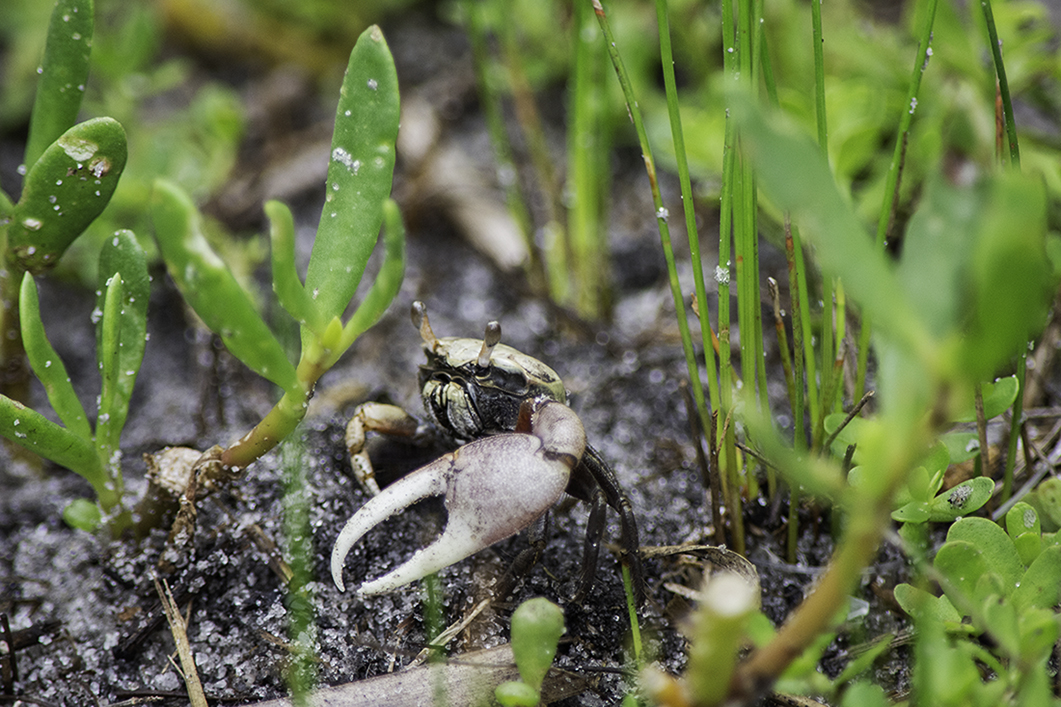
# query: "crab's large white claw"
(493, 487)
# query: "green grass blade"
(65, 190)
(47, 365)
(120, 342)
(208, 286)
(64, 71)
(359, 175)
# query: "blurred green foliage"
(867, 75)
(182, 124)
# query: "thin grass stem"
(828, 341)
(677, 134)
(727, 468)
(1003, 82)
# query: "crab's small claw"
(493, 488)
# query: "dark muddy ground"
(86, 608)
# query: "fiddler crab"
(523, 448)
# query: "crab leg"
(493, 487)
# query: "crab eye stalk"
(420, 321)
(490, 340)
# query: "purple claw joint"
(493, 488)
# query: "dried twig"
(847, 420)
(446, 636)
(180, 636)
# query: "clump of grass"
(931, 350)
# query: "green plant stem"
(677, 134)
(828, 341)
(890, 205)
(793, 376)
(433, 626)
(819, 76)
(323, 351)
(301, 676)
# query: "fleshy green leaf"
(1001, 618)
(359, 175)
(209, 287)
(65, 190)
(963, 499)
(996, 547)
(109, 344)
(916, 601)
(1021, 519)
(962, 446)
(846, 437)
(38, 434)
(120, 344)
(516, 694)
(1028, 545)
(963, 564)
(64, 72)
(83, 514)
(537, 625)
(387, 282)
(864, 694)
(286, 284)
(913, 512)
(998, 397)
(47, 365)
(936, 251)
(1038, 634)
(1047, 496)
(1041, 583)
